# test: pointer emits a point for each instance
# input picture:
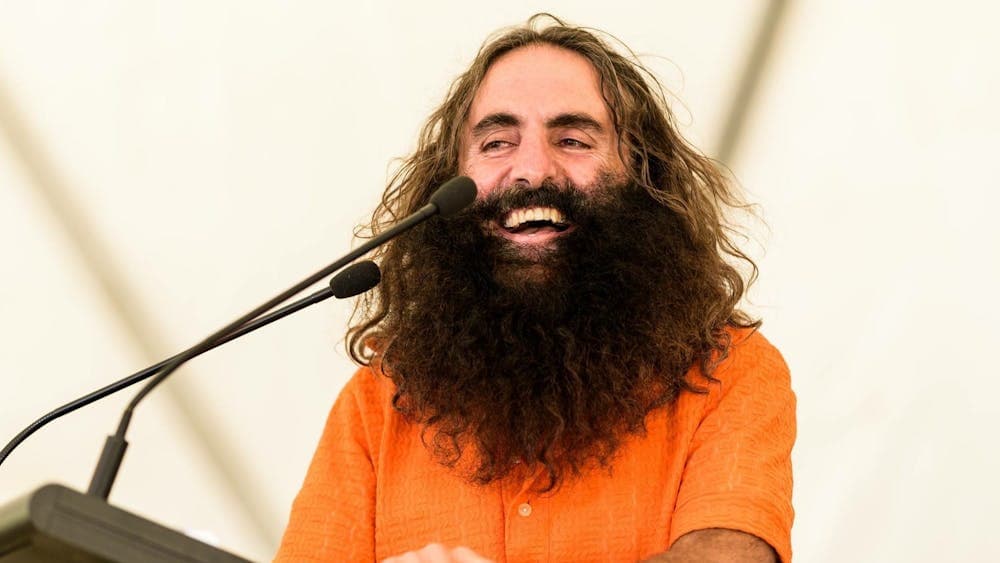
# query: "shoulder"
(369, 385)
(367, 396)
(362, 409)
(751, 351)
(753, 376)
(752, 364)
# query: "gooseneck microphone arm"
(450, 198)
(354, 280)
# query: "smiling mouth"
(534, 225)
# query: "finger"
(434, 553)
(408, 557)
(466, 555)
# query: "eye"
(495, 145)
(573, 143)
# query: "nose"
(534, 163)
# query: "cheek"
(486, 177)
(586, 174)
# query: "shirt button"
(524, 510)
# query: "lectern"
(57, 524)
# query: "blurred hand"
(437, 553)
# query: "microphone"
(453, 196)
(353, 280)
(450, 198)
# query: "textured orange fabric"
(715, 460)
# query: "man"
(560, 372)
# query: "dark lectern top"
(54, 523)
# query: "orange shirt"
(716, 460)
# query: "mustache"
(568, 199)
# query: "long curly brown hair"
(693, 196)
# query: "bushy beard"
(547, 357)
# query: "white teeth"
(521, 216)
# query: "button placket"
(526, 520)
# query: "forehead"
(540, 81)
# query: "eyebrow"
(576, 121)
(494, 121)
(563, 120)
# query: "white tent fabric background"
(166, 166)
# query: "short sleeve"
(738, 474)
(333, 516)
